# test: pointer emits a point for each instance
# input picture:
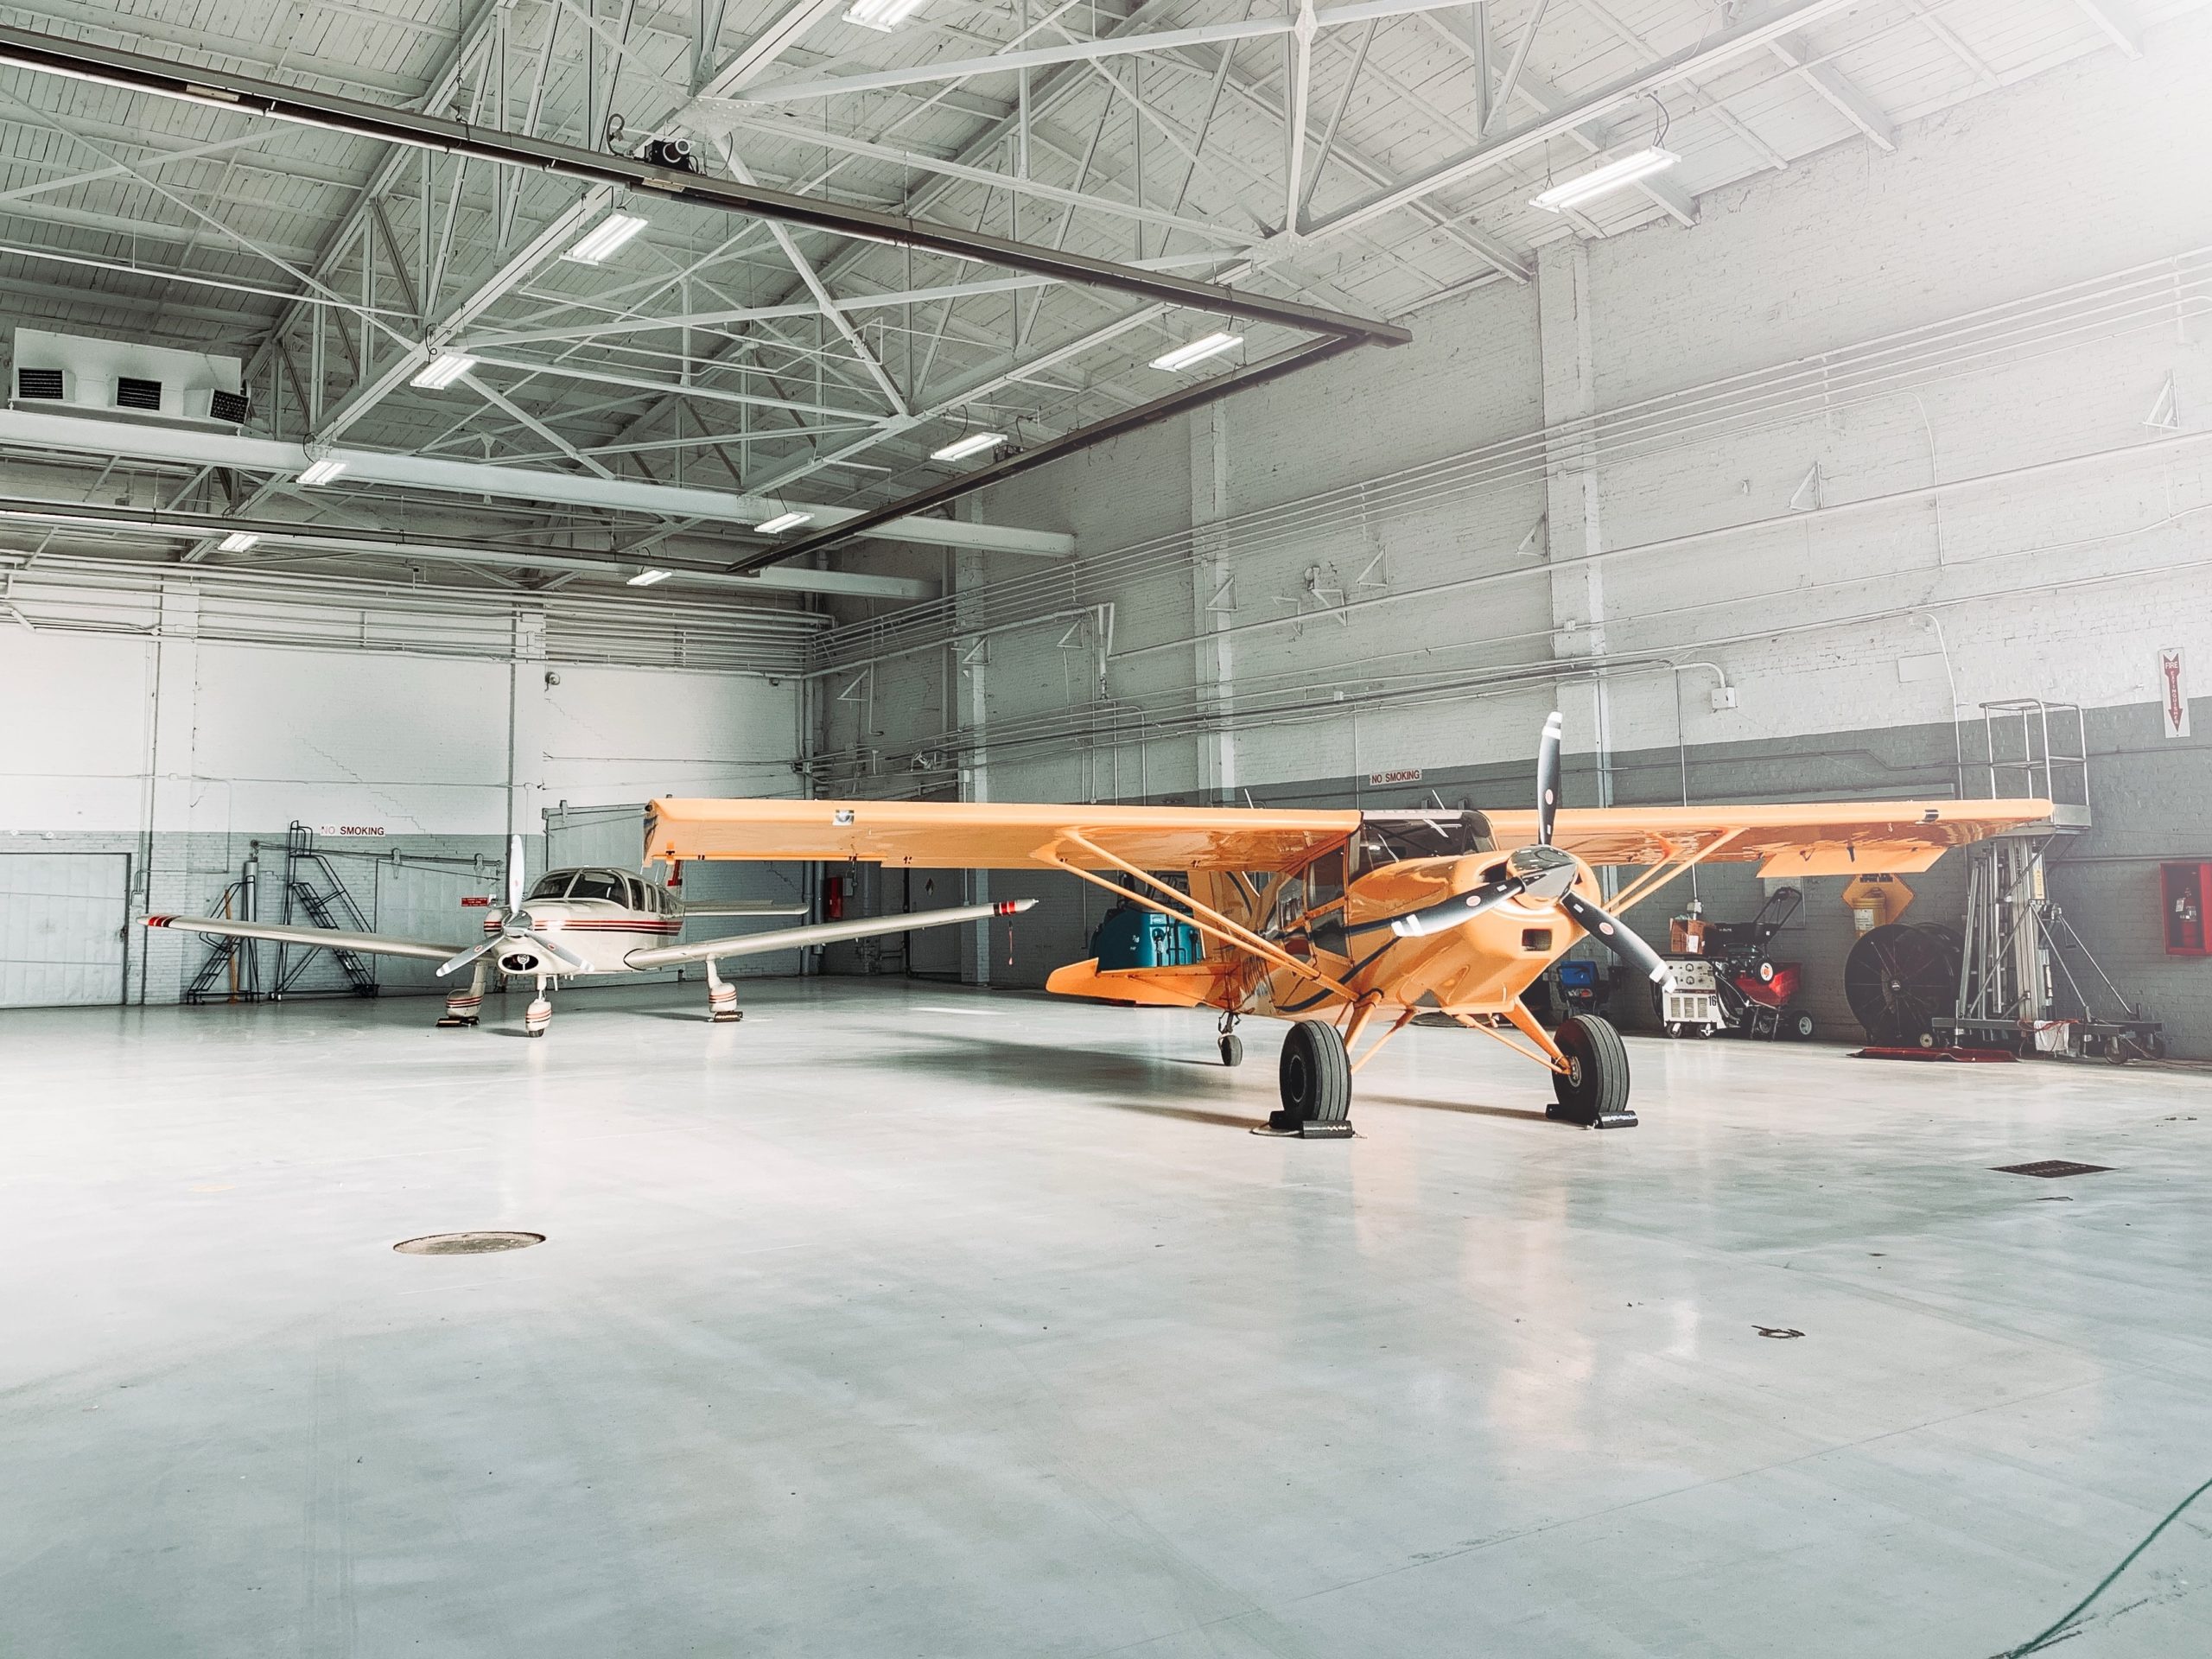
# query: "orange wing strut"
(1663, 872)
(1207, 920)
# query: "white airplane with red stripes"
(591, 921)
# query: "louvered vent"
(133, 393)
(231, 406)
(38, 382)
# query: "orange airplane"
(1348, 922)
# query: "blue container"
(1134, 938)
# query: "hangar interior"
(439, 421)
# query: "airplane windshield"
(1386, 837)
(599, 884)
(554, 885)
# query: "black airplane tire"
(1314, 1076)
(1232, 1050)
(1595, 1086)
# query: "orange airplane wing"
(1816, 838)
(993, 835)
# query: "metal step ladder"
(314, 891)
(237, 955)
(326, 906)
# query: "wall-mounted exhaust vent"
(127, 381)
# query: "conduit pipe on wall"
(1549, 567)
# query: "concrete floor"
(908, 1321)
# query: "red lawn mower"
(1725, 979)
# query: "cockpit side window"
(553, 885)
(1325, 878)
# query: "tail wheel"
(1594, 1087)
(1315, 1078)
(1232, 1049)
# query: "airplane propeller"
(1541, 871)
(515, 924)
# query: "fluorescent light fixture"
(974, 444)
(596, 245)
(1196, 352)
(646, 578)
(882, 14)
(442, 372)
(1601, 181)
(321, 472)
(237, 542)
(784, 521)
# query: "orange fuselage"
(1479, 966)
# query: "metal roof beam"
(51, 432)
(1729, 43)
(1837, 88)
(2118, 22)
(1251, 29)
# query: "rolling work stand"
(2026, 980)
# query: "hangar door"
(62, 921)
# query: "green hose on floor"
(2044, 1639)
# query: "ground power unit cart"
(1725, 981)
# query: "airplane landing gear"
(722, 998)
(1593, 1089)
(539, 1014)
(1315, 1079)
(465, 1008)
(1232, 1045)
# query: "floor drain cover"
(2051, 1168)
(467, 1243)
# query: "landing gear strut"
(1232, 1045)
(539, 1014)
(722, 998)
(1316, 1082)
(466, 1008)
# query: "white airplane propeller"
(516, 925)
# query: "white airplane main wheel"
(1315, 1079)
(1232, 1049)
(1593, 1089)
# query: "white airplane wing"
(791, 939)
(745, 907)
(376, 944)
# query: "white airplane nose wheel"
(539, 1015)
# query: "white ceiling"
(300, 250)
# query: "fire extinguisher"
(833, 901)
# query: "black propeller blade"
(1617, 937)
(1434, 919)
(1547, 779)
